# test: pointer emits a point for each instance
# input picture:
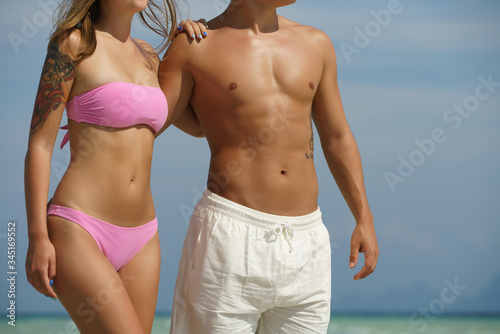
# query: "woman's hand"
(41, 265)
(195, 30)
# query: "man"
(256, 256)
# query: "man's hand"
(364, 241)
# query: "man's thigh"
(301, 319)
(304, 304)
(223, 288)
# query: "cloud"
(413, 29)
(453, 35)
(401, 232)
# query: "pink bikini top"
(119, 105)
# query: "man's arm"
(342, 155)
(177, 84)
(189, 123)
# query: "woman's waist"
(119, 201)
(110, 168)
(122, 181)
(109, 158)
(92, 145)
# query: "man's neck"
(254, 15)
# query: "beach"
(339, 324)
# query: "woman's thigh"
(141, 277)
(86, 283)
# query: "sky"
(420, 83)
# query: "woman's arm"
(56, 81)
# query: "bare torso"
(254, 102)
(109, 173)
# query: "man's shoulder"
(305, 33)
(182, 48)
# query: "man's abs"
(264, 161)
(277, 185)
(254, 100)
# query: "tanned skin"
(108, 177)
(256, 84)
(58, 70)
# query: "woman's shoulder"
(70, 44)
(150, 51)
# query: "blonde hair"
(83, 14)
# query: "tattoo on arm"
(310, 155)
(53, 90)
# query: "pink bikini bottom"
(119, 244)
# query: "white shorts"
(244, 271)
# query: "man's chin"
(283, 3)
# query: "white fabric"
(244, 271)
(287, 231)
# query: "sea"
(339, 324)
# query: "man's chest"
(255, 69)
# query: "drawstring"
(287, 231)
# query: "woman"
(98, 239)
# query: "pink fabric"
(119, 105)
(119, 244)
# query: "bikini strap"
(66, 135)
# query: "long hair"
(83, 14)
